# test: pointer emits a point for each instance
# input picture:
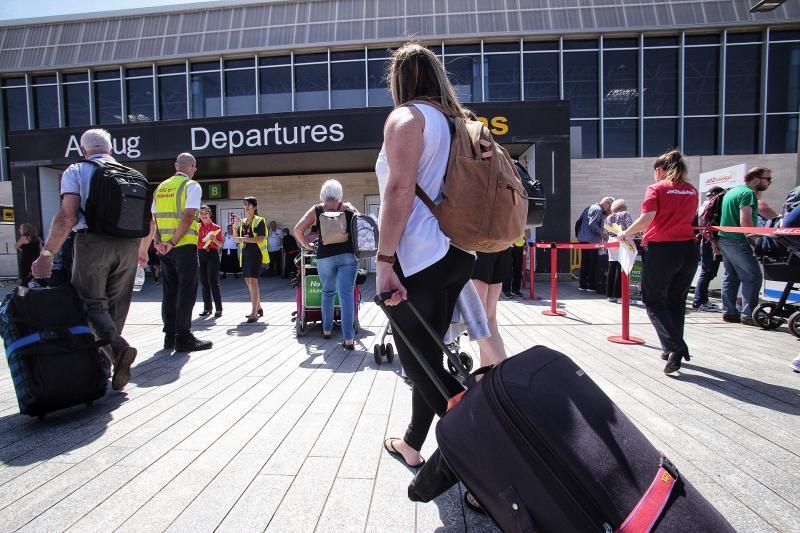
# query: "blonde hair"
(673, 165)
(415, 73)
(618, 205)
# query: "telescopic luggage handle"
(463, 375)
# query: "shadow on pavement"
(775, 397)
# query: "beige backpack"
(484, 205)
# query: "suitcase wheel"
(466, 362)
(389, 352)
(376, 352)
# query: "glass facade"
(706, 93)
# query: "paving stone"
(366, 446)
(390, 509)
(301, 507)
(338, 431)
(346, 507)
(257, 505)
(292, 452)
(445, 515)
(29, 481)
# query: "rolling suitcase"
(54, 359)
(542, 448)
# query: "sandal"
(472, 503)
(388, 445)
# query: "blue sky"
(17, 9)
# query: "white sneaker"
(709, 308)
(796, 364)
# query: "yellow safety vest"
(520, 243)
(263, 246)
(170, 205)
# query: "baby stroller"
(780, 257)
(469, 318)
(309, 295)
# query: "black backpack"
(537, 202)
(792, 201)
(119, 201)
(579, 223)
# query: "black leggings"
(434, 292)
(209, 278)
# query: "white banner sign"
(724, 177)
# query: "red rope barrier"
(532, 287)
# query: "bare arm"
(22, 241)
(144, 244)
(746, 217)
(302, 225)
(63, 222)
(402, 137)
(638, 225)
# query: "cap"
(714, 190)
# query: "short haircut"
(755, 173)
(608, 199)
(96, 139)
(331, 190)
(618, 205)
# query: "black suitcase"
(54, 359)
(561, 455)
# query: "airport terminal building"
(274, 97)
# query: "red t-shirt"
(675, 207)
(204, 230)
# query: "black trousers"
(614, 282)
(179, 273)
(709, 267)
(276, 263)
(588, 269)
(514, 280)
(666, 277)
(209, 278)
(434, 292)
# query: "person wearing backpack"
(740, 209)
(104, 265)
(589, 230)
(336, 264)
(710, 257)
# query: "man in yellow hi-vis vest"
(513, 280)
(175, 205)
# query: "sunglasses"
(769, 179)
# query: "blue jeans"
(741, 267)
(338, 273)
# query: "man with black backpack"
(107, 205)
(710, 256)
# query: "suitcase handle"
(380, 300)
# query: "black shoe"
(251, 319)
(191, 343)
(673, 363)
(260, 312)
(507, 295)
(731, 318)
(169, 342)
(218, 314)
(351, 346)
(205, 312)
(223, 277)
(664, 356)
(122, 367)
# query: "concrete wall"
(628, 178)
(8, 254)
(286, 198)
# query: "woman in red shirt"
(668, 213)
(209, 242)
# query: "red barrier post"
(553, 311)
(626, 338)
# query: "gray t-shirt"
(76, 180)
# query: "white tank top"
(423, 243)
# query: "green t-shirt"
(732, 202)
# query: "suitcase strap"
(651, 505)
(42, 336)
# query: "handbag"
(333, 227)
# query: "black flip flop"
(477, 508)
(389, 447)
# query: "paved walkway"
(270, 432)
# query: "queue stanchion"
(531, 268)
(625, 338)
(554, 311)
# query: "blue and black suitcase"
(542, 448)
(54, 359)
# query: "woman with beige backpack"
(336, 265)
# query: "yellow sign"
(8, 214)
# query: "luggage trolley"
(309, 295)
(772, 315)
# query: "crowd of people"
(416, 261)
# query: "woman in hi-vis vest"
(251, 234)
